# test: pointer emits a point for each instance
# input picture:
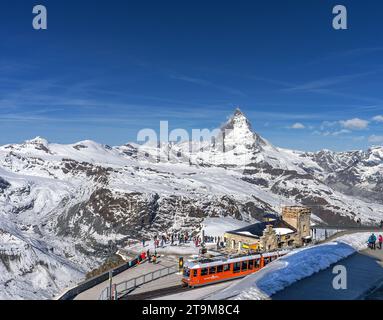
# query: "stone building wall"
(297, 217)
(234, 242)
(269, 240)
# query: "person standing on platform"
(372, 241)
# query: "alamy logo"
(340, 20)
(340, 280)
(40, 21)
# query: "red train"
(206, 271)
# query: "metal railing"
(123, 288)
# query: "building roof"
(256, 230)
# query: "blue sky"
(105, 70)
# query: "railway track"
(156, 293)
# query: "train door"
(194, 276)
(236, 267)
(251, 264)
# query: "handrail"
(70, 294)
(350, 228)
(123, 287)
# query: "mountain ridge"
(69, 202)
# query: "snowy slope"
(299, 264)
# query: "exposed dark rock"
(4, 184)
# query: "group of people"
(152, 258)
(172, 238)
(372, 241)
(178, 238)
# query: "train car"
(207, 271)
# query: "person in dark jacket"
(372, 241)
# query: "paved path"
(198, 293)
(172, 280)
(364, 271)
(94, 292)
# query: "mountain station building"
(292, 229)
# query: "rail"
(70, 294)
(349, 228)
(124, 287)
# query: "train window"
(203, 271)
(251, 264)
(186, 272)
(256, 263)
(267, 260)
(244, 265)
(237, 267)
(194, 273)
(212, 270)
(219, 268)
(226, 267)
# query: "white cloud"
(375, 139)
(343, 131)
(378, 118)
(298, 125)
(330, 133)
(354, 124)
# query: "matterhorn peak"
(237, 133)
(238, 112)
(237, 121)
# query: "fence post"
(115, 296)
(110, 284)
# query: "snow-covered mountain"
(62, 207)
